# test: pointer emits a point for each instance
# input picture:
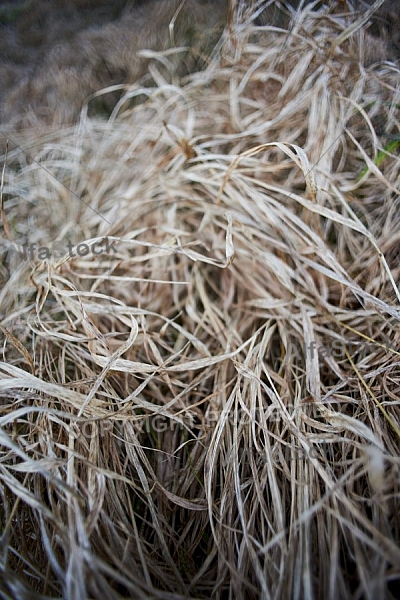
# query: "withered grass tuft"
(210, 407)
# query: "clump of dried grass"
(211, 411)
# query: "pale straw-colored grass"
(211, 411)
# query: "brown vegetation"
(210, 408)
(58, 53)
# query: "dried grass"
(213, 409)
